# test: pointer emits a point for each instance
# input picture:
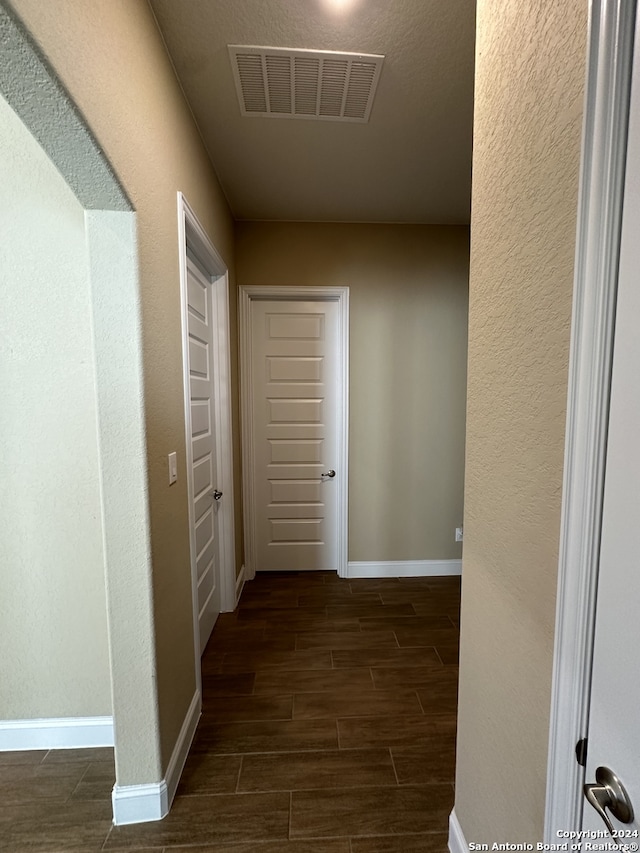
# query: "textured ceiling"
(410, 163)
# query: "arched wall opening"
(85, 319)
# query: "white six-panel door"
(294, 388)
(203, 457)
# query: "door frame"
(610, 54)
(192, 234)
(246, 295)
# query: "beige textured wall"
(53, 618)
(529, 99)
(408, 306)
(110, 57)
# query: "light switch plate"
(173, 468)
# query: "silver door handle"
(331, 474)
(608, 792)
(216, 495)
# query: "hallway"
(327, 727)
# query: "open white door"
(613, 733)
(595, 687)
(204, 494)
(207, 382)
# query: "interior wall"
(110, 57)
(530, 73)
(53, 623)
(408, 328)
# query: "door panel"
(203, 474)
(288, 369)
(294, 381)
(614, 739)
(295, 451)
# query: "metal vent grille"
(309, 84)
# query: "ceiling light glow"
(340, 6)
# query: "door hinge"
(581, 752)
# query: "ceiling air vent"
(311, 84)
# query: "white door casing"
(209, 269)
(611, 30)
(294, 345)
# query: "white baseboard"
(56, 733)
(457, 841)
(404, 569)
(183, 745)
(140, 803)
(240, 581)
(144, 803)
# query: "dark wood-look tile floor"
(328, 726)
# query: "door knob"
(331, 473)
(608, 792)
(216, 495)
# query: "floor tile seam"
(267, 695)
(258, 792)
(292, 611)
(426, 834)
(262, 720)
(213, 750)
(316, 673)
(388, 619)
(214, 696)
(393, 687)
(191, 845)
(313, 751)
(238, 777)
(299, 838)
(393, 764)
(276, 668)
(79, 782)
(108, 835)
(278, 752)
(431, 833)
(394, 691)
(337, 693)
(312, 790)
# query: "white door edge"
(224, 444)
(340, 295)
(597, 254)
(189, 229)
